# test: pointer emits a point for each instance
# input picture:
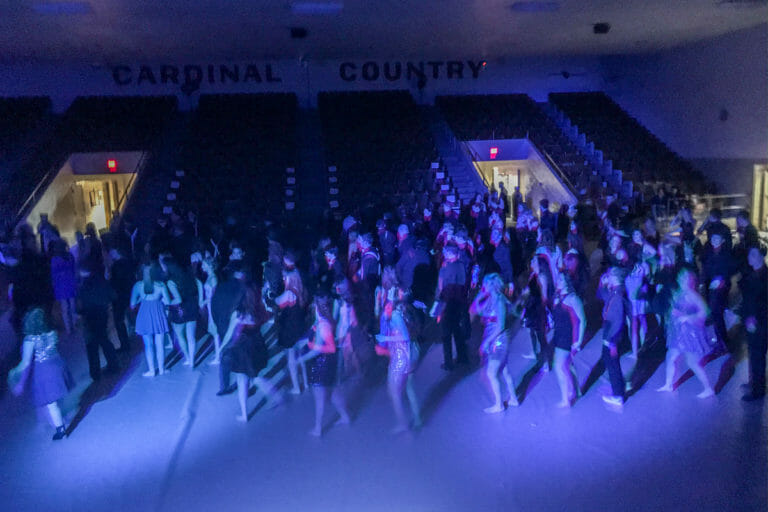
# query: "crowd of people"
(345, 294)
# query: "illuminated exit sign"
(494, 152)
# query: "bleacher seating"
(94, 123)
(640, 155)
(18, 117)
(379, 144)
(238, 150)
(516, 116)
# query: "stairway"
(310, 172)
(457, 165)
(149, 194)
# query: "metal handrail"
(54, 169)
(558, 171)
(128, 188)
(474, 157)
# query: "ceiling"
(107, 31)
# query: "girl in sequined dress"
(491, 305)
(323, 372)
(395, 342)
(42, 369)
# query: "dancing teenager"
(491, 305)
(186, 301)
(246, 352)
(614, 315)
(42, 369)
(686, 333)
(570, 323)
(151, 296)
(395, 342)
(290, 322)
(323, 374)
(754, 313)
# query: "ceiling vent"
(61, 7)
(741, 4)
(298, 32)
(319, 8)
(534, 6)
(601, 28)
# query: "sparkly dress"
(495, 342)
(49, 379)
(686, 334)
(400, 347)
(324, 369)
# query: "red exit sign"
(494, 152)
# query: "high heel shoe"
(61, 433)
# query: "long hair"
(292, 282)
(388, 277)
(324, 308)
(493, 283)
(35, 322)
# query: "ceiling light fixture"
(62, 7)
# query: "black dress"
(562, 336)
(290, 325)
(248, 352)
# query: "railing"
(468, 152)
(559, 173)
(41, 184)
(129, 186)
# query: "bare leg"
(694, 362)
(635, 322)
(54, 412)
(191, 340)
(217, 350)
(293, 371)
(267, 389)
(395, 382)
(65, 315)
(320, 395)
(149, 355)
(160, 352)
(337, 398)
(643, 328)
(242, 395)
(492, 372)
(562, 363)
(178, 330)
(413, 400)
(672, 356)
(507, 376)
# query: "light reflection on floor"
(170, 444)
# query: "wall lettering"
(371, 71)
(190, 77)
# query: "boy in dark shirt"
(754, 313)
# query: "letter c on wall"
(121, 75)
(346, 71)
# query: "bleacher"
(379, 145)
(19, 117)
(516, 116)
(238, 149)
(95, 123)
(640, 155)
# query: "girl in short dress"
(394, 341)
(151, 296)
(491, 305)
(323, 375)
(42, 369)
(686, 333)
